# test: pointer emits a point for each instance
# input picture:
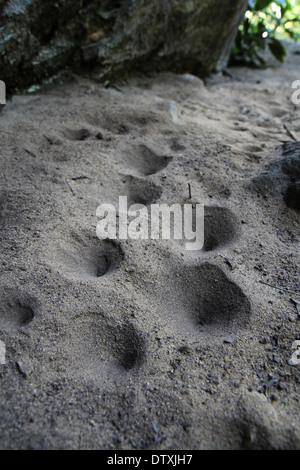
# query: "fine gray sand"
(141, 344)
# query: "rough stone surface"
(262, 427)
(37, 39)
(292, 197)
(281, 178)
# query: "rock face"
(262, 427)
(292, 197)
(281, 178)
(114, 37)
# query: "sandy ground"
(142, 344)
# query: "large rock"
(116, 36)
(262, 427)
(281, 178)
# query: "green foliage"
(266, 23)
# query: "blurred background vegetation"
(267, 24)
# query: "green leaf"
(277, 49)
(262, 4)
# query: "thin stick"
(76, 178)
(289, 132)
(190, 192)
(280, 288)
(29, 152)
(70, 188)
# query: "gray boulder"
(114, 37)
(281, 178)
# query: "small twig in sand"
(280, 288)
(70, 188)
(290, 134)
(29, 152)
(190, 191)
(83, 177)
